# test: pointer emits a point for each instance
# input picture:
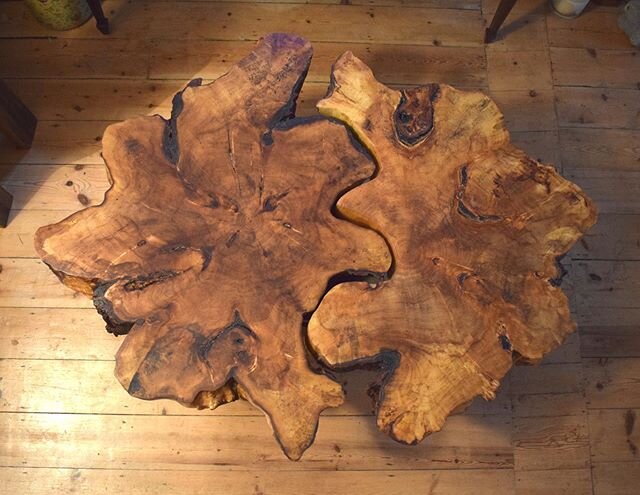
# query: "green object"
(60, 14)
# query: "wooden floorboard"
(85, 386)
(564, 481)
(55, 187)
(615, 436)
(249, 21)
(610, 341)
(596, 28)
(602, 108)
(184, 60)
(615, 478)
(612, 383)
(595, 67)
(551, 442)
(569, 92)
(244, 443)
(139, 482)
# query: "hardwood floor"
(570, 91)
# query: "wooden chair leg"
(102, 23)
(501, 14)
(5, 206)
(16, 120)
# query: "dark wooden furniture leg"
(19, 124)
(5, 206)
(16, 120)
(501, 14)
(102, 23)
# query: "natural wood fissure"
(217, 239)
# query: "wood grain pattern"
(613, 237)
(587, 149)
(615, 435)
(614, 191)
(120, 99)
(519, 69)
(594, 29)
(15, 241)
(526, 110)
(602, 108)
(610, 341)
(550, 390)
(554, 442)
(56, 72)
(24, 284)
(127, 59)
(55, 57)
(103, 441)
(83, 384)
(55, 187)
(248, 21)
(615, 478)
(409, 63)
(566, 481)
(252, 188)
(612, 383)
(595, 68)
(135, 482)
(541, 145)
(74, 143)
(31, 333)
(456, 311)
(527, 31)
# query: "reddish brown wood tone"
(568, 90)
(217, 237)
(476, 228)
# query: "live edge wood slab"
(476, 228)
(217, 237)
(223, 233)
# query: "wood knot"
(413, 118)
(235, 345)
(84, 201)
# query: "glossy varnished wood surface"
(569, 92)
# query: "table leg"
(501, 14)
(16, 120)
(5, 206)
(102, 23)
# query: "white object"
(569, 8)
(629, 21)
